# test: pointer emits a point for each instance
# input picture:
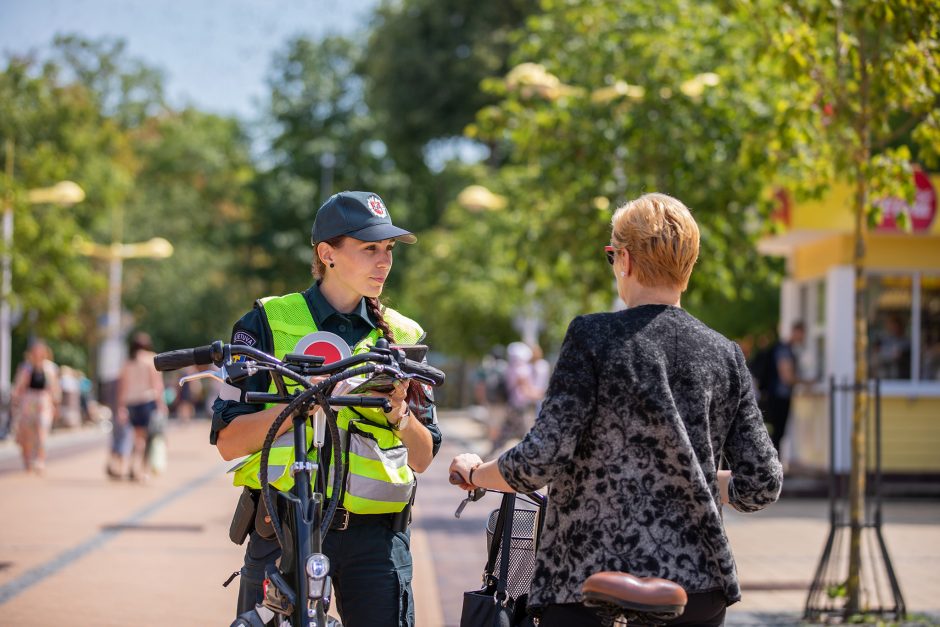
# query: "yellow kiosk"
(903, 278)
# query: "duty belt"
(343, 519)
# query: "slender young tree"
(861, 106)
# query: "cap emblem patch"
(377, 207)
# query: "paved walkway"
(76, 548)
(776, 550)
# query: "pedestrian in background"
(183, 404)
(541, 373)
(777, 372)
(36, 396)
(520, 407)
(139, 398)
(490, 392)
(70, 410)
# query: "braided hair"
(416, 395)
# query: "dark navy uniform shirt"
(251, 330)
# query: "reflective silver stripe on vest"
(376, 490)
(285, 439)
(274, 473)
(391, 458)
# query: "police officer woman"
(368, 545)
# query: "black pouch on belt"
(263, 525)
(243, 521)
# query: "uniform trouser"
(371, 569)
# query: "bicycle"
(619, 597)
(298, 592)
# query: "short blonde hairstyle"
(662, 238)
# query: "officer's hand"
(397, 399)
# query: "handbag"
(493, 606)
(156, 453)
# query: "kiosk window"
(930, 328)
(890, 305)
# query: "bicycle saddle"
(649, 595)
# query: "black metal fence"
(880, 594)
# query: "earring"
(332, 265)
(623, 274)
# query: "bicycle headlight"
(318, 566)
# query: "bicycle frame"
(300, 589)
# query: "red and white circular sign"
(923, 211)
(329, 346)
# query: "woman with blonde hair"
(36, 396)
(642, 406)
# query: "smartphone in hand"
(382, 383)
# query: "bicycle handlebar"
(217, 353)
(423, 371)
(185, 357)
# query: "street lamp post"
(157, 248)
(64, 193)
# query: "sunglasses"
(610, 252)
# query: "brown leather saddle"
(635, 597)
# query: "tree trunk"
(860, 398)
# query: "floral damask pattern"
(640, 408)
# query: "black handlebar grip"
(174, 360)
(430, 373)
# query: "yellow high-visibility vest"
(378, 478)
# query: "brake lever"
(472, 495)
(219, 375)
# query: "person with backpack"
(776, 369)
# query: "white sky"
(214, 53)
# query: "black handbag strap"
(507, 512)
(494, 543)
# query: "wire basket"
(521, 551)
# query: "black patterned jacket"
(641, 405)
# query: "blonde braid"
(416, 397)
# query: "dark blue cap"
(360, 215)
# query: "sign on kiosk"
(923, 212)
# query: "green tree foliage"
(96, 116)
(441, 51)
(423, 65)
(617, 100)
(194, 190)
(323, 140)
(856, 97)
(58, 133)
(861, 100)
